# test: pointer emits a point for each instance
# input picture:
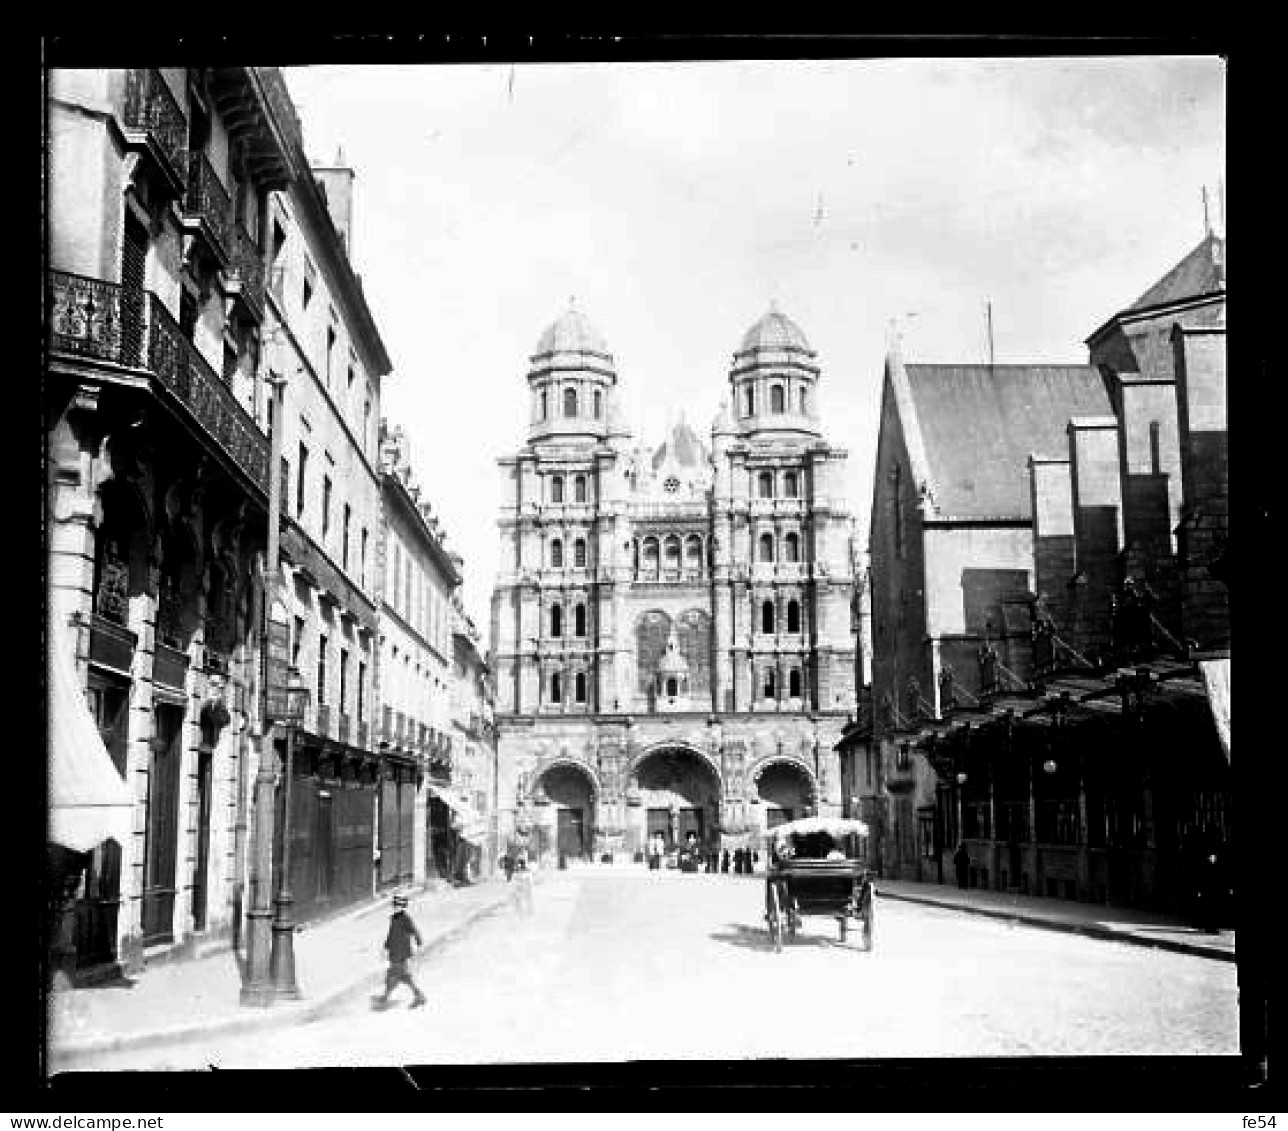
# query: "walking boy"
(398, 944)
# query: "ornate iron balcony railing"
(151, 109)
(249, 266)
(95, 319)
(208, 201)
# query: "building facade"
(1075, 739)
(671, 628)
(325, 349)
(158, 184)
(416, 672)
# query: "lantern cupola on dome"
(773, 378)
(571, 375)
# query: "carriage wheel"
(774, 915)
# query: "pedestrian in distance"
(522, 887)
(961, 861)
(398, 946)
(507, 866)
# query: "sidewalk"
(181, 1001)
(1121, 924)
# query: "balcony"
(208, 209)
(154, 124)
(101, 321)
(246, 277)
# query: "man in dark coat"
(961, 862)
(398, 945)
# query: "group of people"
(693, 857)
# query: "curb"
(1091, 930)
(62, 1057)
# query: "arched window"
(789, 485)
(793, 616)
(581, 687)
(650, 557)
(556, 688)
(792, 548)
(545, 404)
(579, 553)
(766, 483)
(794, 683)
(599, 404)
(556, 554)
(693, 553)
(579, 620)
(766, 547)
(750, 401)
(803, 401)
(770, 689)
(556, 489)
(570, 402)
(776, 398)
(556, 620)
(672, 552)
(579, 489)
(767, 617)
(672, 687)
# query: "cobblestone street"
(622, 966)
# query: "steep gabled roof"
(1202, 272)
(979, 424)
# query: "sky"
(674, 202)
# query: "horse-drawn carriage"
(819, 866)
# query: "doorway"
(324, 843)
(200, 880)
(570, 833)
(160, 854)
(659, 821)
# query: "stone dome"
(572, 332)
(775, 331)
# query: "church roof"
(682, 445)
(980, 423)
(571, 332)
(774, 331)
(1201, 272)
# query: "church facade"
(671, 627)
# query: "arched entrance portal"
(571, 794)
(674, 792)
(786, 793)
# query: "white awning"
(1216, 678)
(471, 826)
(88, 800)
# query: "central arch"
(674, 789)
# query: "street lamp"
(282, 959)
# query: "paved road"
(612, 967)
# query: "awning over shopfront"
(88, 801)
(472, 827)
(1216, 680)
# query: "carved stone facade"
(668, 623)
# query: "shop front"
(333, 837)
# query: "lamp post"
(282, 958)
(257, 989)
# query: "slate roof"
(979, 424)
(1201, 272)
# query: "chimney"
(336, 183)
